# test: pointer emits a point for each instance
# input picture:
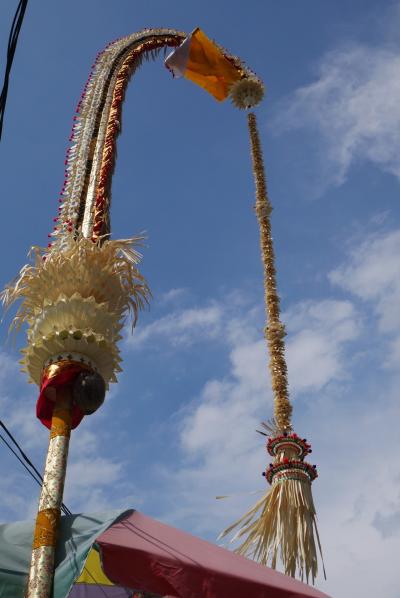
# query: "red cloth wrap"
(45, 406)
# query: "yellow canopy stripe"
(93, 573)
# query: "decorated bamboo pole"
(78, 291)
(49, 511)
(282, 525)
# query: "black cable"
(20, 449)
(20, 460)
(11, 47)
(65, 510)
(39, 481)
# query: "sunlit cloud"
(352, 109)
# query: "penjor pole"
(45, 534)
(76, 294)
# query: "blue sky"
(178, 429)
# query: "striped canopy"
(129, 555)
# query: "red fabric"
(139, 552)
(45, 406)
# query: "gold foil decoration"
(61, 422)
(46, 528)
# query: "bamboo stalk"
(41, 571)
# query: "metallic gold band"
(46, 528)
(61, 423)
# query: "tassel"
(282, 524)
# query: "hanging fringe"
(282, 524)
(284, 529)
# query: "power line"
(27, 461)
(11, 47)
(20, 460)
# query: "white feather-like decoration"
(76, 301)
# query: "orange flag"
(201, 61)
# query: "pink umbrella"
(140, 552)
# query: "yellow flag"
(201, 61)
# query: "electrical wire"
(11, 47)
(20, 460)
(26, 459)
(38, 478)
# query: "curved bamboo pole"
(83, 217)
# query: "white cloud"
(387, 524)
(354, 106)
(222, 453)
(173, 296)
(315, 349)
(86, 472)
(18, 403)
(182, 327)
(8, 368)
(23, 423)
(357, 492)
(217, 430)
(14, 501)
(373, 274)
(358, 489)
(90, 472)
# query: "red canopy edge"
(140, 552)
